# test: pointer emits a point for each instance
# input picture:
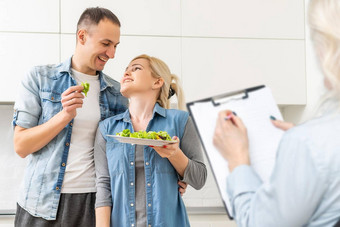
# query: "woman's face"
(137, 79)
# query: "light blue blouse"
(304, 188)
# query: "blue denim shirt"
(39, 100)
(165, 206)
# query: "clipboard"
(254, 106)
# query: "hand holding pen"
(231, 139)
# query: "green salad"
(86, 87)
(161, 135)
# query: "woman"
(139, 183)
(304, 189)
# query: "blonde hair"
(160, 70)
(324, 21)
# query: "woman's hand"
(168, 151)
(175, 155)
(282, 124)
(231, 139)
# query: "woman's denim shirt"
(164, 204)
(39, 100)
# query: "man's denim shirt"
(39, 100)
(164, 204)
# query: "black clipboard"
(245, 103)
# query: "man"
(55, 125)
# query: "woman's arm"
(103, 216)
(175, 156)
(296, 186)
(290, 198)
(187, 160)
(196, 172)
(103, 195)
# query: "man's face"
(99, 46)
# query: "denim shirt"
(164, 204)
(38, 101)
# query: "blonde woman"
(137, 185)
(304, 189)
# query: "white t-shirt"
(80, 172)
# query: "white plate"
(139, 141)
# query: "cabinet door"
(280, 19)
(137, 17)
(213, 66)
(20, 52)
(29, 16)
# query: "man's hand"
(72, 99)
(28, 141)
(182, 187)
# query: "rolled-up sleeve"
(103, 196)
(196, 172)
(27, 108)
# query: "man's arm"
(28, 141)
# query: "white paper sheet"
(255, 111)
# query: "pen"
(227, 117)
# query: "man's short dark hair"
(93, 15)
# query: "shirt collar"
(65, 67)
(159, 110)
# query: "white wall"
(214, 46)
(314, 84)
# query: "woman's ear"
(158, 84)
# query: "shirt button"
(149, 225)
(71, 123)
(132, 225)
(149, 184)
(147, 163)
(131, 204)
(131, 183)
(57, 188)
(131, 163)
(149, 204)
(67, 144)
(63, 164)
